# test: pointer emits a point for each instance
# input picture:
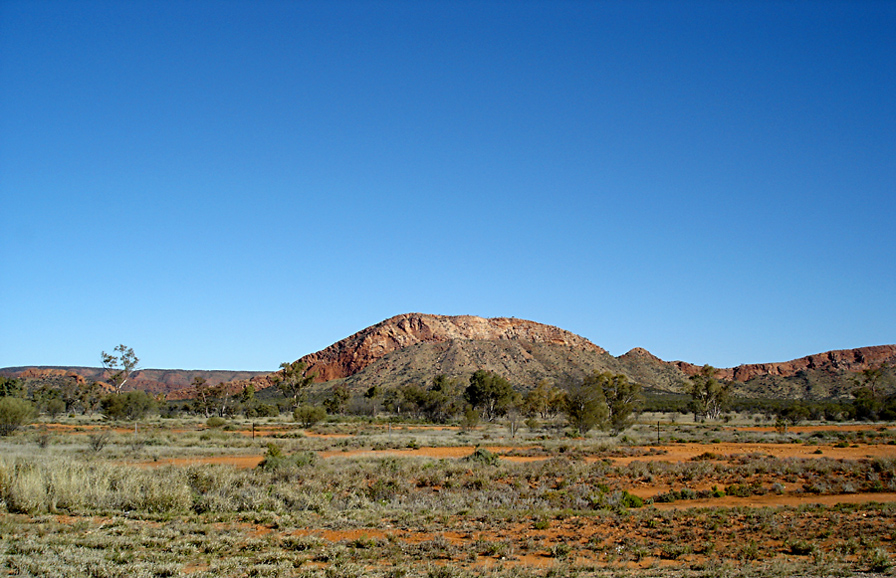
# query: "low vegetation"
(376, 498)
(440, 480)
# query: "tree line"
(597, 401)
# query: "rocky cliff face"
(354, 353)
(851, 360)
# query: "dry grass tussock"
(582, 508)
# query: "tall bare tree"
(119, 368)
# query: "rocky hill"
(353, 354)
(823, 375)
(414, 347)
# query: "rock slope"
(354, 353)
(841, 360)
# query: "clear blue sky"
(231, 185)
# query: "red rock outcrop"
(852, 360)
(45, 372)
(356, 352)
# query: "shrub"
(561, 550)
(878, 560)
(470, 420)
(483, 456)
(631, 501)
(99, 440)
(308, 415)
(14, 413)
(129, 405)
(750, 551)
(802, 548)
(275, 459)
(674, 551)
(215, 421)
(259, 409)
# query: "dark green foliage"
(631, 501)
(796, 413)
(292, 380)
(130, 405)
(470, 419)
(259, 409)
(14, 413)
(308, 415)
(275, 459)
(53, 407)
(438, 403)
(490, 393)
(874, 398)
(247, 394)
(586, 406)
(623, 399)
(208, 398)
(338, 399)
(10, 387)
(710, 396)
(483, 456)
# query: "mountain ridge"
(413, 347)
(354, 353)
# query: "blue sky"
(230, 185)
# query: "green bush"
(14, 413)
(275, 459)
(259, 409)
(483, 456)
(631, 501)
(308, 415)
(215, 421)
(129, 405)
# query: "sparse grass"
(73, 511)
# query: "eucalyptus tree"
(120, 367)
(490, 393)
(292, 379)
(709, 395)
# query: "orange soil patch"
(774, 500)
(684, 452)
(241, 462)
(670, 453)
(427, 452)
(812, 428)
(673, 453)
(339, 535)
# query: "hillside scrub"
(14, 413)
